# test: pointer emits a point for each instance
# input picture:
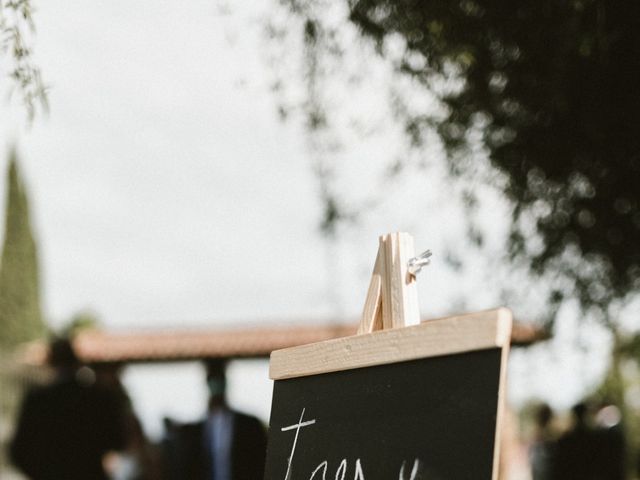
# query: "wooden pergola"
(97, 347)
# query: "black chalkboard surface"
(428, 418)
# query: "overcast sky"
(164, 189)
(166, 192)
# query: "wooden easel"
(392, 297)
(430, 377)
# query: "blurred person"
(578, 451)
(543, 447)
(66, 428)
(137, 460)
(226, 445)
(170, 448)
(612, 443)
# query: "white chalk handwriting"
(320, 472)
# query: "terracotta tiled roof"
(198, 344)
(178, 345)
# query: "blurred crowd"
(592, 447)
(81, 426)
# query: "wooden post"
(392, 297)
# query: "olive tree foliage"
(545, 91)
(16, 56)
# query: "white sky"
(165, 192)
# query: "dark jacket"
(189, 459)
(64, 430)
(577, 455)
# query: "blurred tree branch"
(549, 91)
(16, 55)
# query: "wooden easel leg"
(372, 313)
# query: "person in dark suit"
(543, 446)
(65, 428)
(226, 445)
(612, 444)
(578, 452)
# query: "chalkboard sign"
(412, 403)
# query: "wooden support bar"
(446, 336)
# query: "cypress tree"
(20, 313)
